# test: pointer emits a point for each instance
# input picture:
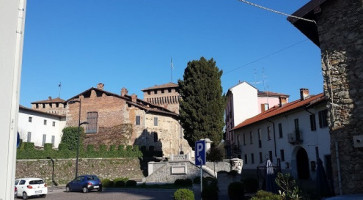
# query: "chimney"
(304, 93)
(100, 86)
(282, 100)
(133, 98)
(50, 98)
(124, 92)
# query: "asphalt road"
(112, 194)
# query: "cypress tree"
(202, 103)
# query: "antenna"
(59, 88)
(171, 69)
(255, 82)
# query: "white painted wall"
(12, 17)
(37, 127)
(244, 102)
(311, 139)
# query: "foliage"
(48, 146)
(289, 189)
(264, 195)
(120, 182)
(216, 153)
(131, 183)
(196, 180)
(184, 194)
(183, 182)
(70, 137)
(107, 183)
(210, 188)
(251, 185)
(202, 102)
(235, 190)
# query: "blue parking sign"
(200, 152)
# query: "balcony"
(295, 138)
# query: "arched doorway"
(302, 162)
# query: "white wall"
(37, 127)
(12, 17)
(244, 102)
(320, 137)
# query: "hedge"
(184, 194)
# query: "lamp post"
(52, 171)
(79, 127)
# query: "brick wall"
(340, 30)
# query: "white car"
(26, 187)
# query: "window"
(244, 138)
(252, 159)
(29, 137)
(270, 155)
(280, 130)
(155, 137)
(155, 121)
(43, 105)
(37, 105)
(57, 105)
(268, 133)
(148, 92)
(323, 118)
(282, 155)
(137, 120)
(169, 90)
(296, 122)
(312, 122)
(251, 140)
(264, 107)
(92, 119)
(22, 182)
(30, 119)
(45, 122)
(44, 139)
(155, 91)
(245, 161)
(53, 140)
(261, 160)
(53, 123)
(259, 138)
(162, 91)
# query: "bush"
(263, 195)
(183, 194)
(210, 188)
(112, 148)
(251, 185)
(131, 183)
(90, 148)
(183, 182)
(107, 183)
(70, 137)
(48, 146)
(235, 191)
(120, 182)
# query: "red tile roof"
(50, 100)
(167, 85)
(277, 110)
(271, 94)
(39, 111)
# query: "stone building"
(338, 32)
(53, 106)
(115, 119)
(165, 95)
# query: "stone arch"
(300, 163)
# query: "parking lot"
(112, 194)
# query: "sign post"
(200, 159)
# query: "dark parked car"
(84, 183)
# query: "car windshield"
(16, 182)
(34, 182)
(92, 178)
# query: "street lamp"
(79, 127)
(53, 181)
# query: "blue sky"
(129, 43)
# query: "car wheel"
(44, 195)
(85, 190)
(100, 189)
(25, 196)
(68, 189)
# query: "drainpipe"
(273, 127)
(338, 168)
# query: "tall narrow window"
(312, 122)
(44, 139)
(251, 140)
(282, 155)
(137, 120)
(30, 119)
(53, 123)
(45, 122)
(261, 159)
(269, 133)
(252, 159)
(296, 122)
(155, 121)
(29, 137)
(53, 140)
(245, 161)
(92, 119)
(323, 121)
(155, 137)
(244, 138)
(270, 155)
(259, 138)
(280, 130)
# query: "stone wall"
(64, 169)
(340, 30)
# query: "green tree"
(202, 102)
(70, 137)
